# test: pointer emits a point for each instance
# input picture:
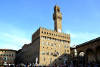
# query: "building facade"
(7, 56)
(89, 50)
(47, 45)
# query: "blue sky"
(19, 19)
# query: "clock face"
(59, 30)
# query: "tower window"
(44, 59)
(47, 53)
(50, 60)
(67, 50)
(42, 31)
(43, 53)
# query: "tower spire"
(57, 17)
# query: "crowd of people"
(71, 64)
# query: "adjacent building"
(7, 56)
(90, 51)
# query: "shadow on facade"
(90, 56)
(61, 60)
(91, 49)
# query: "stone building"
(90, 51)
(7, 56)
(47, 45)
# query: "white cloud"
(13, 41)
(81, 37)
(12, 37)
(16, 38)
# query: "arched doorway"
(81, 58)
(90, 56)
(98, 54)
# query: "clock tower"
(57, 17)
